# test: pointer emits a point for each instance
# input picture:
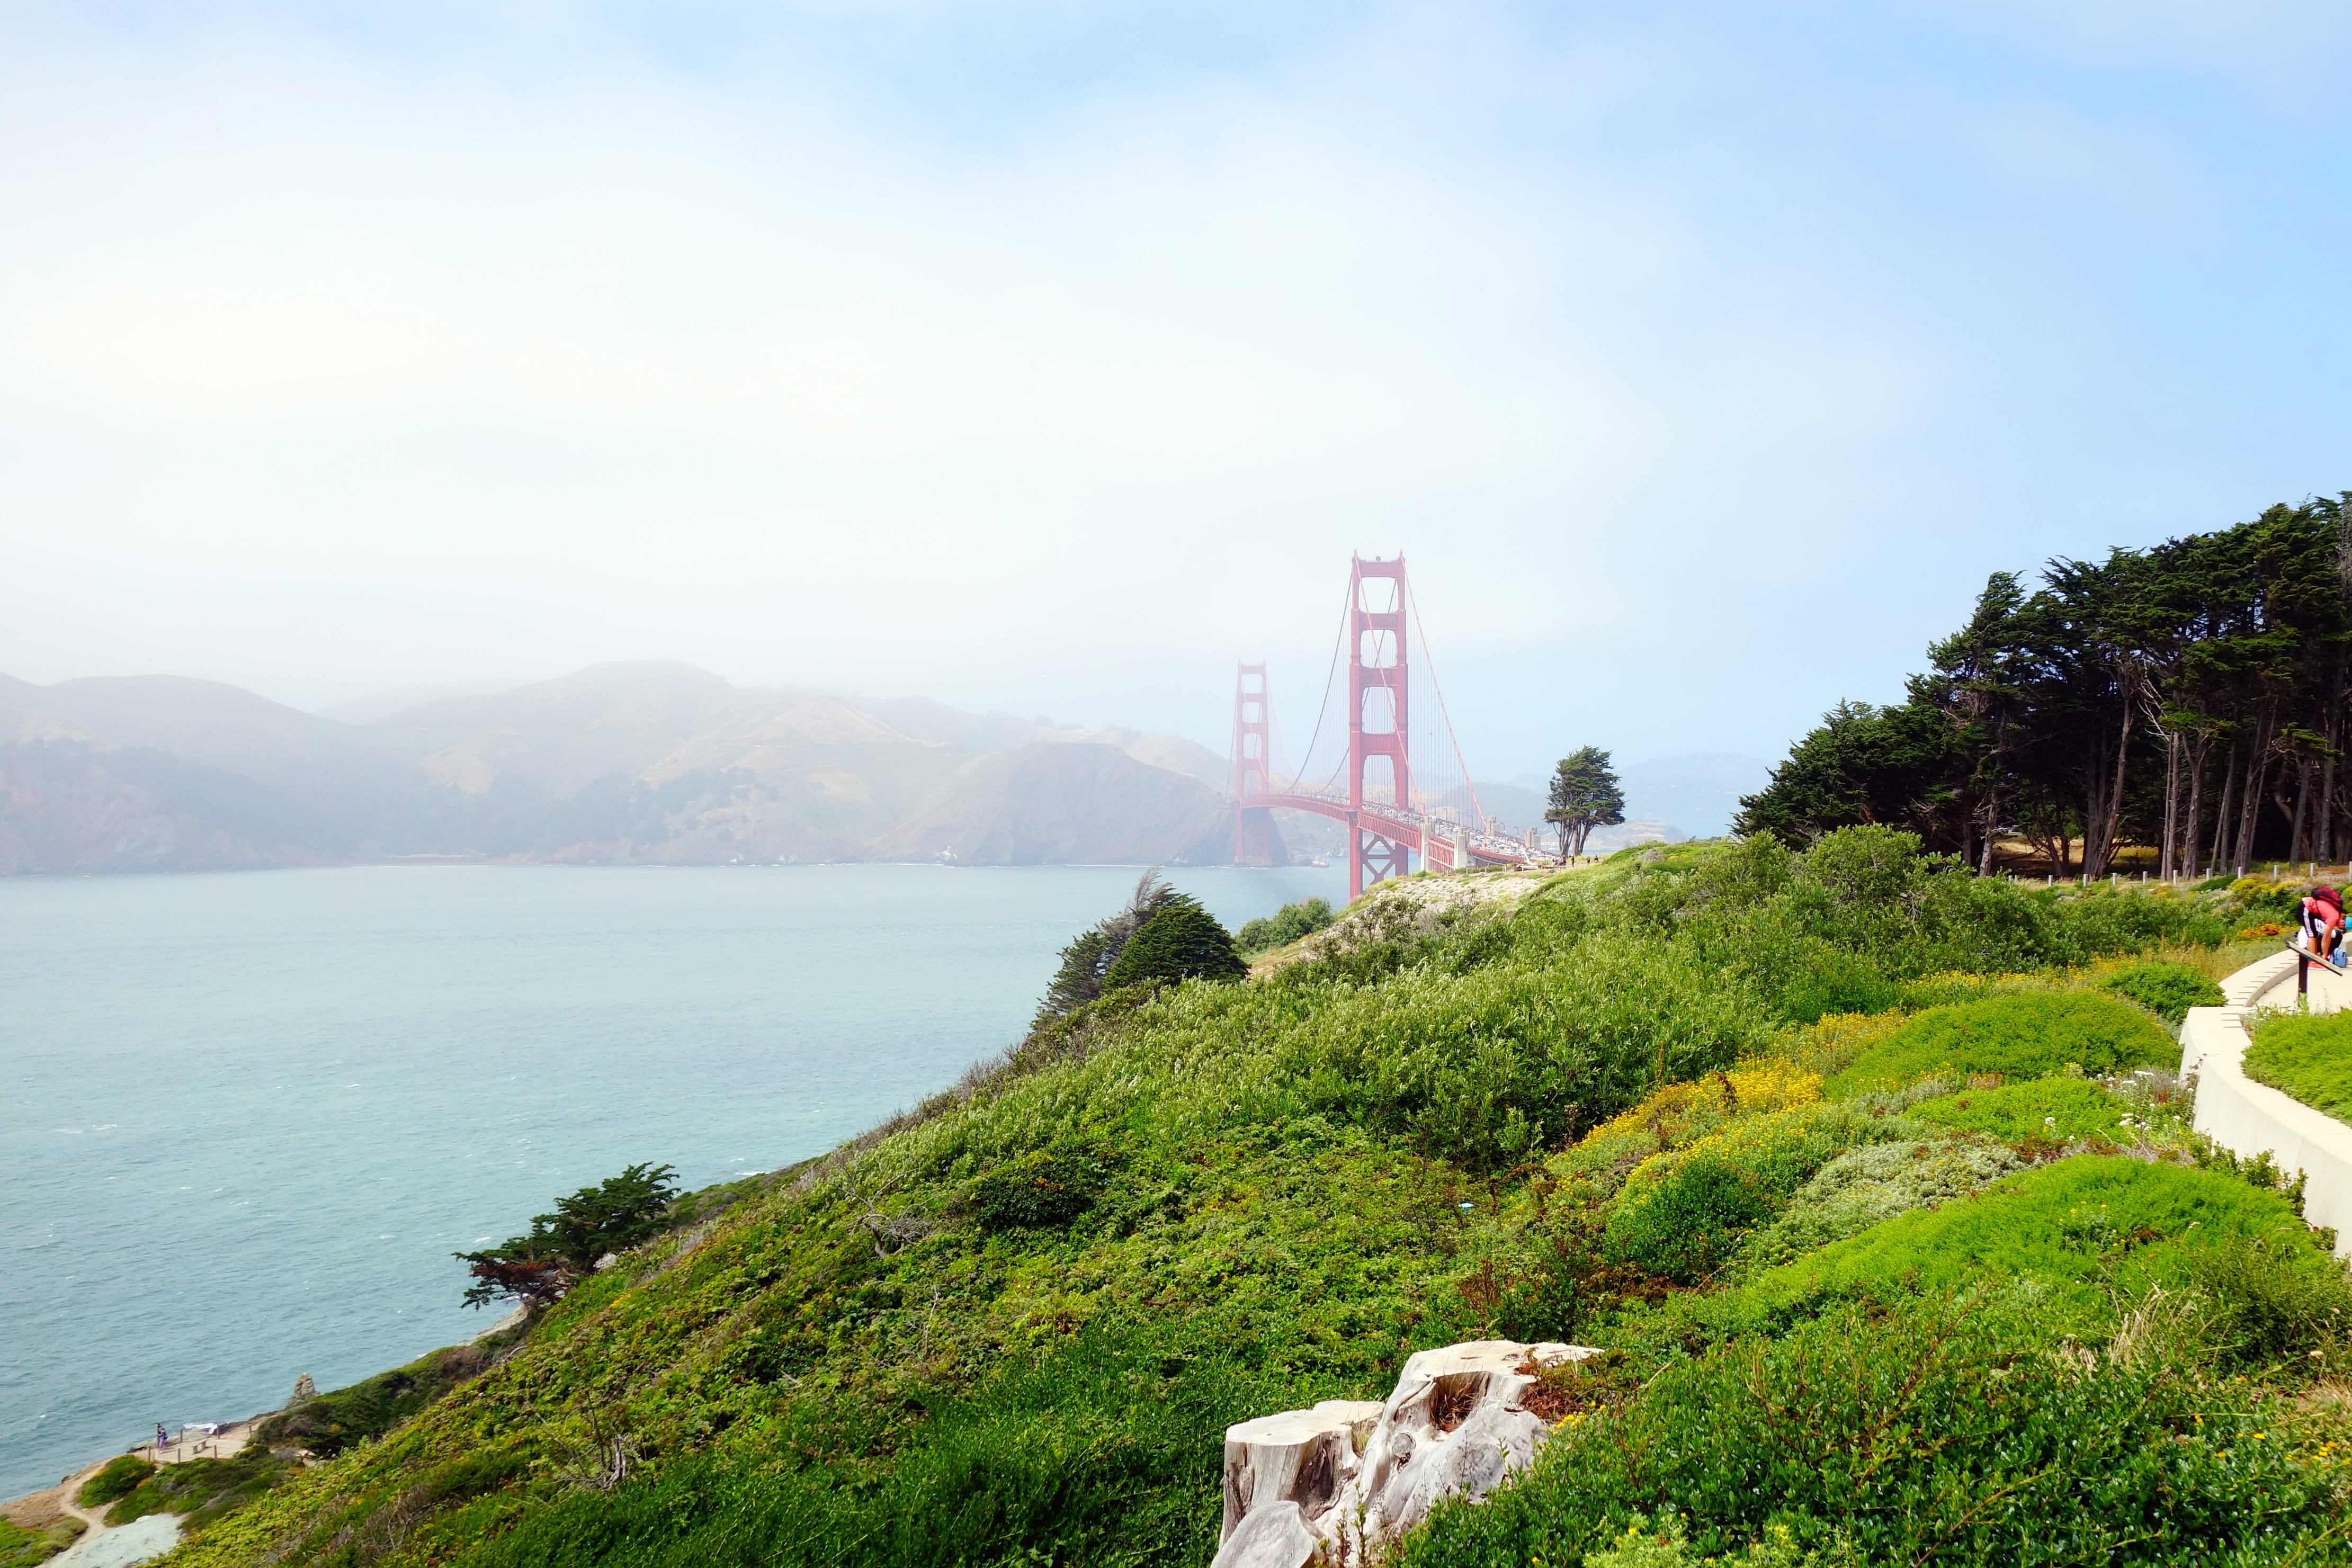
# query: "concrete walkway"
(141, 1540)
(2250, 1118)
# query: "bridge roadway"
(1404, 828)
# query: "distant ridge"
(632, 763)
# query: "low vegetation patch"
(2165, 989)
(2076, 1230)
(2055, 1110)
(23, 1546)
(1953, 1430)
(2307, 1056)
(202, 1490)
(2030, 1035)
(116, 1479)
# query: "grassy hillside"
(1010, 1328)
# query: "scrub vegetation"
(1730, 1111)
(2308, 1057)
(22, 1546)
(1285, 926)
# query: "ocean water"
(249, 1116)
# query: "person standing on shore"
(162, 1440)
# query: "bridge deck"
(1401, 828)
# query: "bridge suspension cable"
(1453, 741)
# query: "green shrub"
(21, 1547)
(1941, 1432)
(1684, 1213)
(1285, 926)
(200, 1490)
(2272, 1309)
(1863, 1187)
(1042, 1187)
(2075, 1227)
(2167, 990)
(2057, 1109)
(118, 1477)
(1181, 941)
(1487, 1069)
(1093, 1454)
(2030, 1035)
(2307, 1056)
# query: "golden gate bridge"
(1390, 815)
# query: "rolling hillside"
(642, 763)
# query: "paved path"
(140, 1540)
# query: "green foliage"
(1684, 1213)
(1866, 1185)
(1663, 1541)
(2056, 1109)
(616, 1214)
(1944, 1431)
(1585, 795)
(203, 1490)
(2269, 1309)
(1042, 1187)
(1285, 926)
(1092, 1453)
(2029, 1035)
(1487, 1068)
(338, 1419)
(2307, 1056)
(1083, 970)
(21, 1547)
(2076, 1229)
(1180, 941)
(2167, 990)
(118, 1477)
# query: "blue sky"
(1703, 358)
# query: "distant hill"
(620, 763)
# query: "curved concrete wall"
(2247, 1117)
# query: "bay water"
(250, 1115)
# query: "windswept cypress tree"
(1181, 942)
(1086, 961)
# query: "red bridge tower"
(1377, 721)
(1253, 825)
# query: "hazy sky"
(1702, 358)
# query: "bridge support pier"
(1375, 858)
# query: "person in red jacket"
(2323, 924)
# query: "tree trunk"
(2302, 811)
(2101, 832)
(2193, 830)
(2171, 805)
(2249, 796)
(2220, 855)
(2326, 833)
